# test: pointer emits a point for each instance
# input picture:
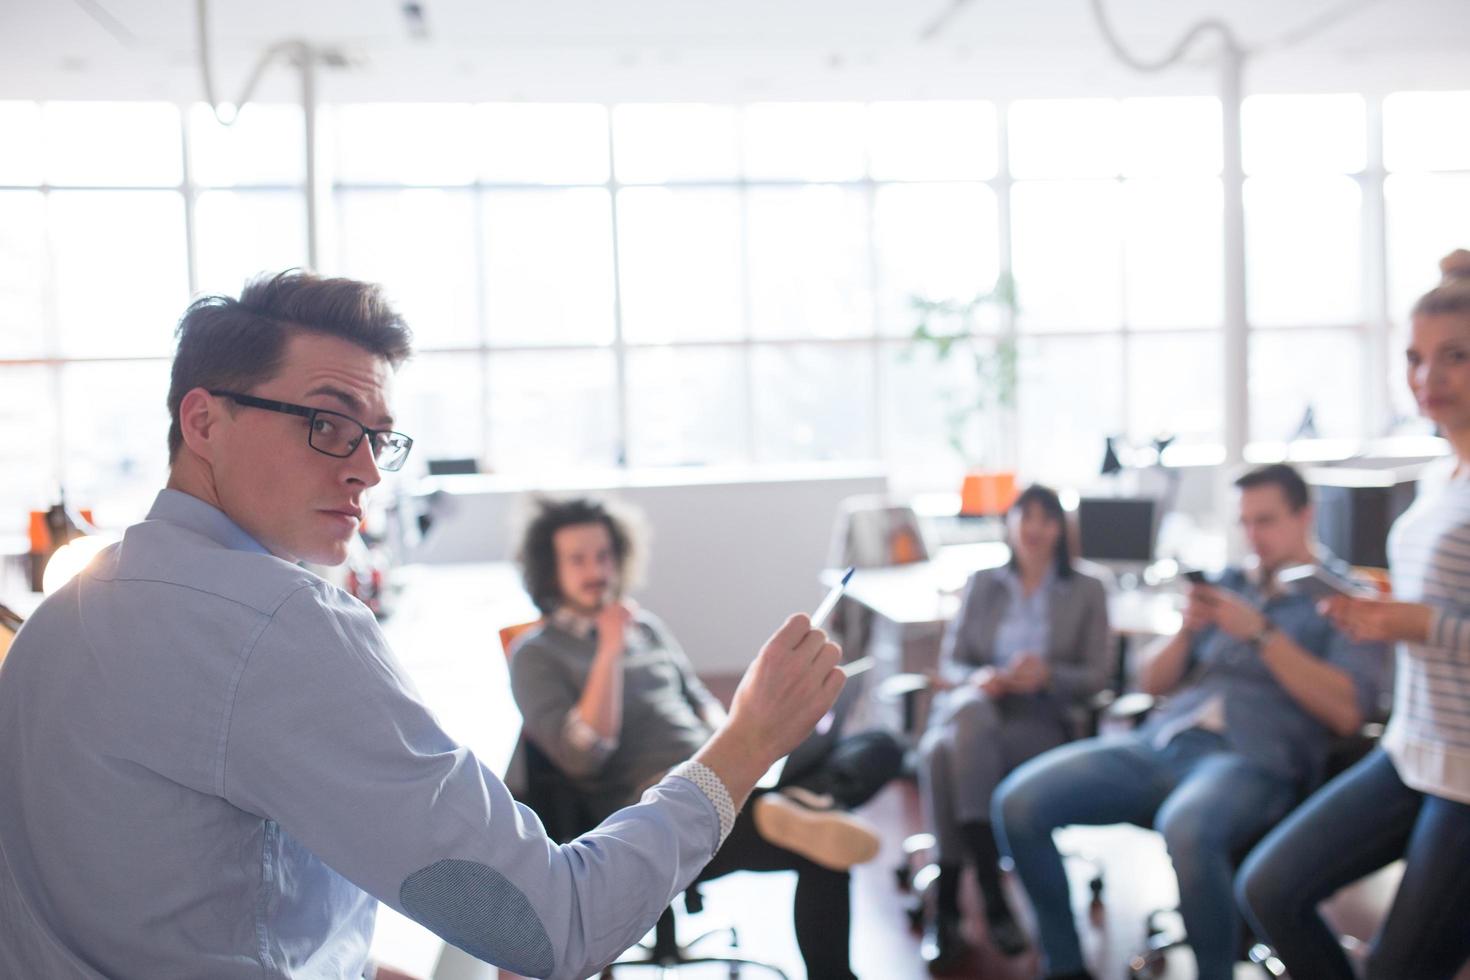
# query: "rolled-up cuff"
(584, 738)
(713, 787)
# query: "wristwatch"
(1263, 634)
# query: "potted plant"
(981, 414)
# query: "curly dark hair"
(537, 554)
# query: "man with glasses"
(213, 764)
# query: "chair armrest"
(1131, 708)
(901, 686)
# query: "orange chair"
(509, 634)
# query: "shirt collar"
(186, 510)
(1013, 581)
(574, 622)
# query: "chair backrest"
(509, 634)
(873, 531)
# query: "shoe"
(943, 948)
(808, 798)
(832, 838)
(1006, 936)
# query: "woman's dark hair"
(239, 343)
(537, 556)
(1046, 498)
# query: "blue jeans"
(1208, 802)
(1355, 825)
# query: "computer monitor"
(1117, 529)
(1353, 521)
(453, 467)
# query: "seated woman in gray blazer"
(1027, 652)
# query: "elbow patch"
(477, 909)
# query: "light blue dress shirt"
(1025, 627)
(211, 765)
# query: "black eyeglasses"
(333, 433)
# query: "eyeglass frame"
(309, 413)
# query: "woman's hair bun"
(1456, 265)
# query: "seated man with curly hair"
(609, 696)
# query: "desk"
(913, 603)
(444, 631)
(928, 592)
(923, 592)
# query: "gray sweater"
(663, 701)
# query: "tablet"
(1320, 583)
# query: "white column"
(1236, 338)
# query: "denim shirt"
(1263, 722)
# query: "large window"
(675, 285)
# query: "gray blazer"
(1081, 657)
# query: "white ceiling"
(703, 49)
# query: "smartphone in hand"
(1319, 583)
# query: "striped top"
(1428, 737)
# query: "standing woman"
(1027, 650)
(1410, 798)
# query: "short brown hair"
(537, 555)
(239, 343)
(1282, 475)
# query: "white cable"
(270, 54)
(1170, 59)
(1296, 35)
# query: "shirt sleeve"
(548, 702)
(1449, 630)
(1368, 664)
(326, 739)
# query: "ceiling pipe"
(304, 56)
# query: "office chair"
(919, 881)
(871, 531)
(564, 813)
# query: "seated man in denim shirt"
(1259, 684)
